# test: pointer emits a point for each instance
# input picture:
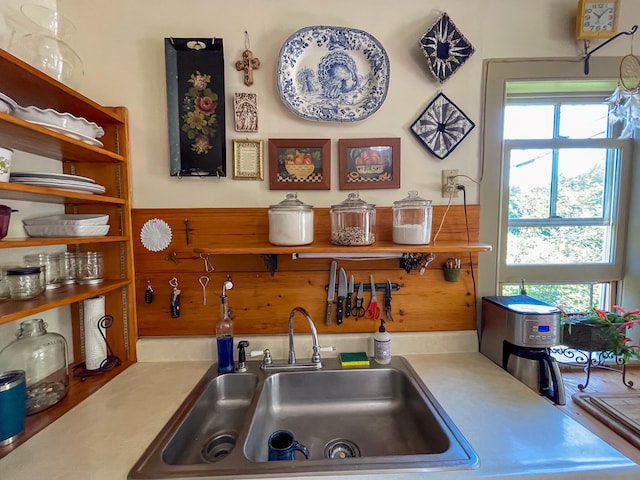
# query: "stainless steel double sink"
(364, 420)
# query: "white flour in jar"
(291, 227)
(411, 234)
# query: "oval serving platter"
(333, 74)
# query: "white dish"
(333, 74)
(52, 176)
(66, 121)
(70, 133)
(63, 185)
(7, 104)
(66, 230)
(74, 219)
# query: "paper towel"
(95, 346)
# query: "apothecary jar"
(291, 222)
(412, 220)
(43, 357)
(353, 222)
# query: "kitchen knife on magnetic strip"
(331, 291)
(342, 294)
(350, 290)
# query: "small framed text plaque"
(247, 160)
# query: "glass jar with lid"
(291, 222)
(43, 357)
(50, 264)
(412, 220)
(25, 282)
(353, 222)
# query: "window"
(562, 201)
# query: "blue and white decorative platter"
(333, 74)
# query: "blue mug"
(13, 400)
(282, 446)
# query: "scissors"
(373, 310)
(358, 310)
(387, 301)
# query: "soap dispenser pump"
(382, 345)
(224, 332)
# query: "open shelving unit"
(110, 166)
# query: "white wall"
(121, 43)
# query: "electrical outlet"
(450, 183)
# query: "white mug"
(5, 163)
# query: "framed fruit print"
(369, 163)
(299, 164)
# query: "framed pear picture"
(299, 164)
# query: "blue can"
(13, 400)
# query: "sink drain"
(341, 448)
(218, 447)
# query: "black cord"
(473, 277)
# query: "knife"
(350, 291)
(342, 294)
(331, 291)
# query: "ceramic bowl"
(65, 121)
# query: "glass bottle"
(43, 357)
(224, 337)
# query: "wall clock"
(596, 19)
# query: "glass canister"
(68, 267)
(353, 222)
(90, 267)
(412, 220)
(43, 357)
(25, 282)
(291, 222)
(51, 265)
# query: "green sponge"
(354, 359)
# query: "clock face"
(599, 17)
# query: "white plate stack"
(67, 225)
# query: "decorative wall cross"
(248, 64)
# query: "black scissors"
(387, 300)
(358, 310)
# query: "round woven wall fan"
(630, 72)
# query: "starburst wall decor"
(445, 47)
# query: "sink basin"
(371, 419)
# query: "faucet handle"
(266, 355)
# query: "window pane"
(528, 121)
(581, 183)
(584, 121)
(572, 298)
(529, 183)
(557, 245)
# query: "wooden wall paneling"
(261, 303)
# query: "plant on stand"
(602, 331)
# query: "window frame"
(493, 271)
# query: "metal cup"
(13, 400)
(282, 446)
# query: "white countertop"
(515, 432)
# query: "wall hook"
(588, 54)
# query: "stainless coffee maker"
(516, 333)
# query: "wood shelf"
(326, 247)
(49, 241)
(79, 390)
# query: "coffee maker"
(516, 333)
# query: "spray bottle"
(382, 345)
(224, 332)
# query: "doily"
(155, 235)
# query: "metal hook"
(204, 281)
(207, 265)
(174, 282)
(588, 54)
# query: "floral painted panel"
(195, 100)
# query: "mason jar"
(51, 267)
(24, 282)
(353, 222)
(90, 267)
(68, 262)
(412, 220)
(43, 357)
(291, 222)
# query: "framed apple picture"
(299, 164)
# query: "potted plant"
(600, 331)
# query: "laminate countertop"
(515, 432)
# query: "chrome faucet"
(315, 358)
(314, 364)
